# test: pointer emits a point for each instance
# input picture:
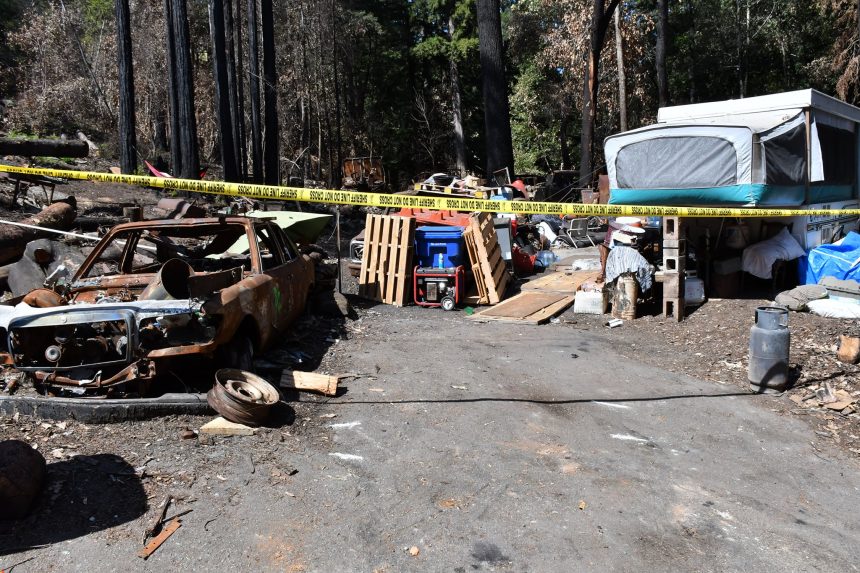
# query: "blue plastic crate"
(440, 247)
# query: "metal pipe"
(339, 265)
(47, 230)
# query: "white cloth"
(830, 308)
(758, 259)
(628, 260)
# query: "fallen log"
(44, 147)
(14, 239)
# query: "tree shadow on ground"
(82, 495)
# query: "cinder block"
(674, 308)
(680, 244)
(674, 260)
(672, 228)
(673, 285)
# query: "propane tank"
(770, 341)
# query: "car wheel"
(238, 353)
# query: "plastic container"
(770, 341)
(546, 258)
(440, 247)
(694, 291)
(624, 297)
(590, 302)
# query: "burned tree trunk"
(662, 42)
(497, 120)
(240, 85)
(599, 23)
(14, 239)
(254, 94)
(622, 77)
(172, 91)
(336, 174)
(43, 147)
(232, 87)
(270, 85)
(457, 109)
(222, 91)
(127, 128)
(190, 160)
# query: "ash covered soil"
(712, 343)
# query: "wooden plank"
(478, 275)
(404, 264)
(297, 380)
(545, 314)
(527, 308)
(523, 305)
(366, 287)
(223, 427)
(159, 539)
(561, 282)
(487, 256)
(386, 262)
(390, 231)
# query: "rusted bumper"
(138, 371)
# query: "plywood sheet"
(561, 282)
(529, 307)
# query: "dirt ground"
(106, 483)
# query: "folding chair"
(578, 229)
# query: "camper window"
(785, 157)
(677, 162)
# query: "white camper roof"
(761, 112)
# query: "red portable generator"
(439, 287)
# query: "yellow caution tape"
(273, 192)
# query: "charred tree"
(662, 43)
(336, 174)
(254, 94)
(270, 95)
(232, 87)
(622, 78)
(188, 147)
(600, 19)
(172, 93)
(497, 120)
(457, 109)
(222, 90)
(127, 128)
(240, 85)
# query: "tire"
(448, 303)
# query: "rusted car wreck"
(151, 294)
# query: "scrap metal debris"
(242, 397)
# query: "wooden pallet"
(485, 256)
(530, 307)
(386, 264)
(561, 282)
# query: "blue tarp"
(841, 261)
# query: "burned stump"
(22, 473)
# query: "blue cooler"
(440, 247)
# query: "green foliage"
(534, 125)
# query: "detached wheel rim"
(242, 397)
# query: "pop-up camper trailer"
(794, 149)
